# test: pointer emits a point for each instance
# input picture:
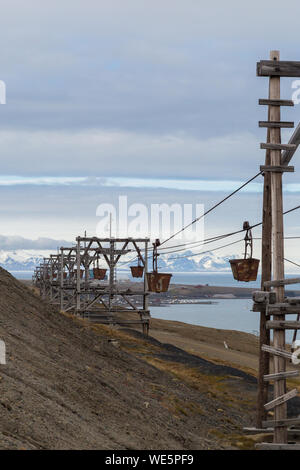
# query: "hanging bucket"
(99, 273)
(158, 282)
(137, 271)
(244, 269)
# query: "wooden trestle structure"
(271, 301)
(64, 279)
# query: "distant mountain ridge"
(27, 260)
(187, 261)
(22, 260)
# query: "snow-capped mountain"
(205, 262)
(22, 260)
(27, 260)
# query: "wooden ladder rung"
(278, 146)
(293, 300)
(275, 124)
(280, 68)
(281, 375)
(276, 351)
(283, 325)
(281, 422)
(282, 399)
(277, 168)
(282, 282)
(283, 309)
(273, 446)
(252, 430)
(292, 433)
(276, 102)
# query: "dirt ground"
(70, 384)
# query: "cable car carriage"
(245, 269)
(137, 271)
(157, 282)
(99, 273)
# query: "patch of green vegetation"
(181, 407)
(242, 442)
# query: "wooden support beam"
(278, 146)
(293, 300)
(278, 68)
(252, 430)
(283, 325)
(287, 155)
(283, 308)
(276, 351)
(259, 308)
(292, 433)
(281, 422)
(263, 296)
(276, 169)
(276, 124)
(281, 375)
(282, 282)
(276, 102)
(281, 399)
(266, 274)
(107, 240)
(273, 446)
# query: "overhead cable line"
(211, 209)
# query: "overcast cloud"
(134, 89)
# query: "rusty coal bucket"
(158, 282)
(244, 269)
(99, 273)
(137, 271)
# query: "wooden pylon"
(273, 304)
(280, 432)
(266, 273)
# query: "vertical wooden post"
(61, 279)
(111, 273)
(51, 277)
(44, 280)
(266, 274)
(78, 263)
(146, 297)
(280, 432)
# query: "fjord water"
(228, 314)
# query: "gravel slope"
(66, 385)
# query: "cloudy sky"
(153, 100)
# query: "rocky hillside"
(68, 384)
